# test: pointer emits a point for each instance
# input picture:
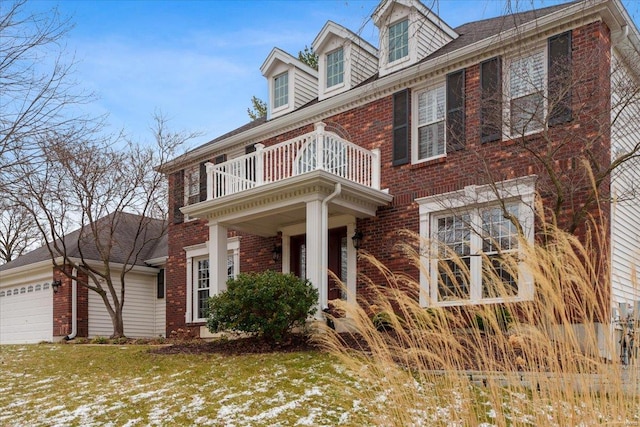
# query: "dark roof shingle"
(151, 243)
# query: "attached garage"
(26, 313)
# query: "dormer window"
(335, 67)
(281, 90)
(398, 40)
(291, 82)
(396, 19)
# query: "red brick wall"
(370, 126)
(62, 305)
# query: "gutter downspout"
(324, 266)
(74, 307)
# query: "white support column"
(320, 145)
(259, 164)
(210, 187)
(317, 262)
(286, 253)
(375, 168)
(217, 257)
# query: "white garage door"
(26, 314)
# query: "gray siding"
(142, 318)
(306, 88)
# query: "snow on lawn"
(128, 386)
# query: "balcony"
(315, 151)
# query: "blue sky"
(199, 61)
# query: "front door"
(337, 251)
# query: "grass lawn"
(127, 385)
(83, 385)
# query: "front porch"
(304, 186)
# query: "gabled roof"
(279, 55)
(331, 28)
(386, 6)
(152, 243)
(472, 32)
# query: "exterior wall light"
(357, 239)
(276, 253)
(55, 285)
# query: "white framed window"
(398, 40)
(335, 67)
(469, 233)
(199, 287)
(281, 90)
(429, 140)
(202, 287)
(525, 89)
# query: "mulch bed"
(237, 346)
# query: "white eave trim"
(337, 30)
(279, 55)
(157, 261)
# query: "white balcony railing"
(318, 150)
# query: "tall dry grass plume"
(550, 361)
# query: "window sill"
(429, 162)
(468, 302)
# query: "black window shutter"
(455, 111)
(160, 283)
(203, 181)
(490, 100)
(401, 127)
(559, 78)
(220, 159)
(178, 196)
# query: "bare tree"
(576, 127)
(39, 95)
(18, 232)
(98, 206)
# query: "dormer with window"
(409, 32)
(344, 60)
(292, 83)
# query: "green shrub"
(267, 303)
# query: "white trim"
(519, 190)
(529, 52)
(415, 122)
(199, 252)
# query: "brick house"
(427, 132)
(39, 302)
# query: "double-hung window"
(335, 67)
(281, 90)
(430, 123)
(526, 88)
(474, 240)
(203, 287)
(398, 40)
